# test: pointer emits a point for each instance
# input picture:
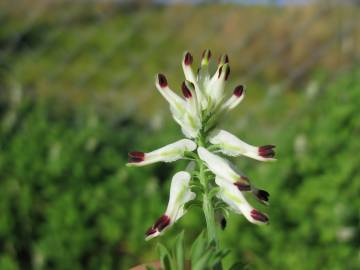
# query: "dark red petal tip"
(224, 59)
(223, 223)
(206, 54)
(137, 154)
(267, 151)
(136, 157)
(162, 80)
(255, 214)
(227, 72)
(242, 187)
(243, 177)
(188, 59)
(162, 222)
(186, 91)
(220, 70)
(239, 90)
(262, 195)
(150, 231)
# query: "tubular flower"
(231, 195)
(203, 102)
(230, 145)
(180, 194)
(168, 153)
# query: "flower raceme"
(204, 102)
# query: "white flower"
(180, 194)
(235, 99)
(168, 153)
(223, 168)
(189, 121)
(214, 88)
(231, 195)
(230, 145)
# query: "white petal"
(221, 167)
(188, 89)
(176, 102)
(180, 194)
(215, 87)
(231, 145)
(168, 153)
(190, 76)
(235, 99)
(231, 195)
(190, 125)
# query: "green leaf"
(179, 251)
(239, 266)
(193, 203)
(198, 247)
(213, 192)
(165, 257)
(202, 262)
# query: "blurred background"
(77, 94)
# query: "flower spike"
(168, 153)
(180, 194)
(230, 145)
(198, 112)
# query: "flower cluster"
(197, 113)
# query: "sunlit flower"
(230, 145)
(168, 153)
(225, 170)
(197, 112)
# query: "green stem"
(207, 205)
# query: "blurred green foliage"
(68, 202)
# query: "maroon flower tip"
(262, 195)
(239, 90)
(224, 59)
(220, 70)
(162, 80)
(186, 91)
(242, 187)
(162, 222)
(188, 59)
(267, 151)
(223, 223)
(243, 177)
(150, 231)
(136, 157)
(206, 54)
(255, 214)
(227, 72)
